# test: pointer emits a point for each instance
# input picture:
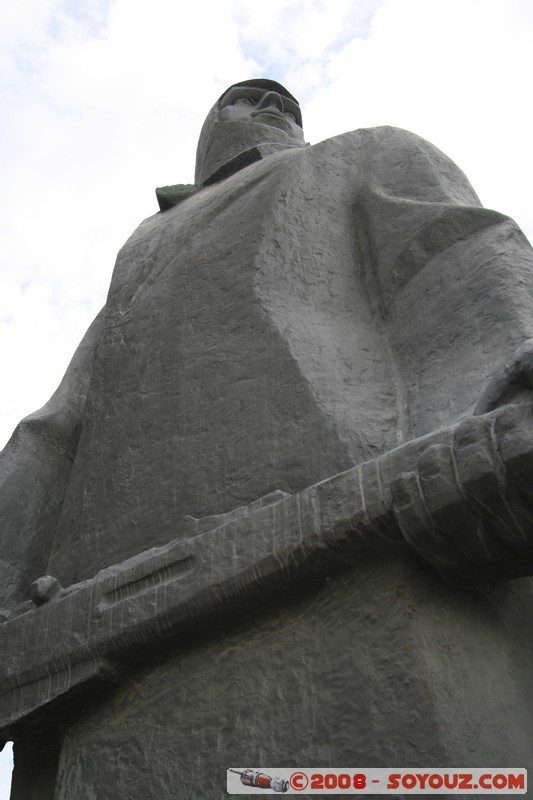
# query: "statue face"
(253, 105)
(258, 117)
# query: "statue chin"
(223, 142)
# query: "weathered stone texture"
(283, 479)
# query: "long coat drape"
(310, 312)
(305, 314)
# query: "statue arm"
(452, 281)
(462, 276)
(34, 469)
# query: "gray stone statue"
(269, 515)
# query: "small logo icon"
(261, 781)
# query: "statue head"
(250, 120)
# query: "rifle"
(88, 632)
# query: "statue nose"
(271, 99)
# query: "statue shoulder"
(385, 138)
(401, 158)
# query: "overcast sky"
(103, 101)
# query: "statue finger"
(480, 472)
(459, 525)
(513, 429)
(414, 521)
(483, 478)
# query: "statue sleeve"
(34, 470)
(414, 204)
(451, 281)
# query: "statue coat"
(307, 313)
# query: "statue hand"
(468, 508)
(14, 589)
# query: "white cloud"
(454, 72)
(6, 768)
(288, 33)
